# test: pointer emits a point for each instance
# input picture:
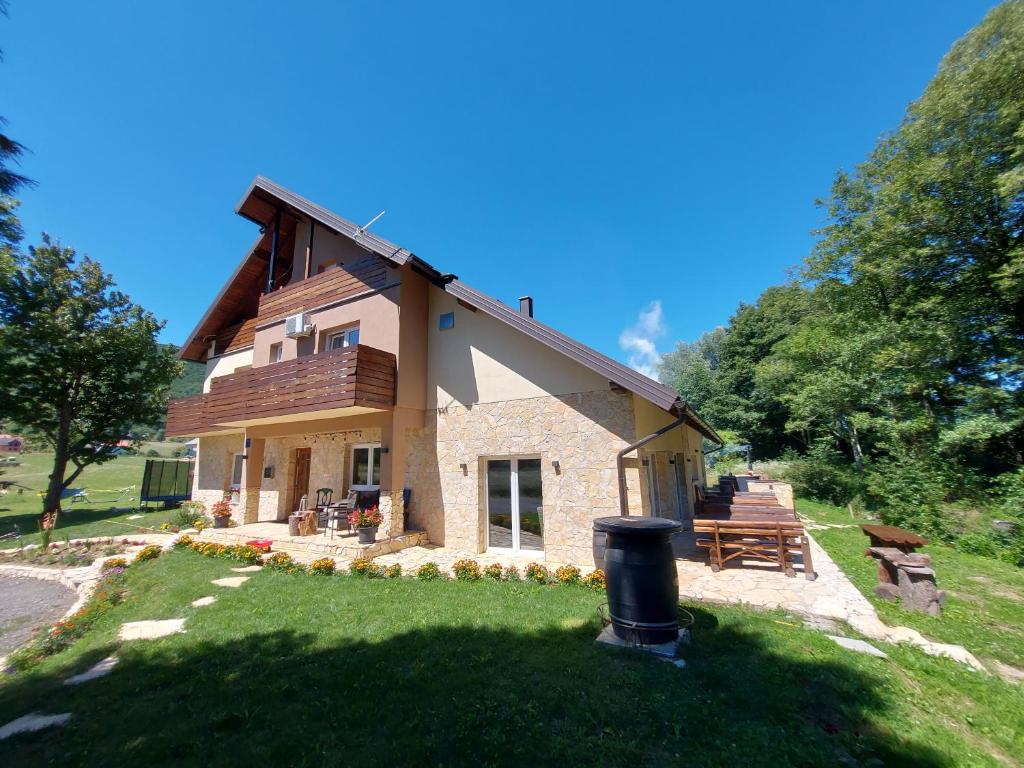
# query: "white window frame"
(235, 489)
(346, 336)
(516, 549)
(276, 352)
(352, 485)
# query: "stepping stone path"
(148, 630)
(200, 602)
(99, 670)
(248, 569)
(857, 645)
(33, 721)
(134, 517)
(231, 581)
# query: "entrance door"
(515, 505)
(300, 484)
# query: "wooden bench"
(776, 540)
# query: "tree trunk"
(51, 503)
(858, 455)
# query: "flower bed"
(71, 554)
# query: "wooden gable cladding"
(354, 376)
(362, 276)
(236, 336)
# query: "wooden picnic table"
(891, 536)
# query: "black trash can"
(640, 574)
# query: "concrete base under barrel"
(667, 650)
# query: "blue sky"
(599, 156)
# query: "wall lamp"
(557, 467)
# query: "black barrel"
(640, 573)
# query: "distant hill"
(191, 380)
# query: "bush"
(429, 572)
(186, 516)
(823, 474)
(909, 492)
(282, 562)
(512, 573)
(364, 566)
(466, 570)
(493, 571)
(538, 573)
(149, 552)
(595, 580)
(567, 574)
(183, 541)
(392, 571)
(322, 565)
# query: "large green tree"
(79, 361)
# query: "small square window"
(447, 321)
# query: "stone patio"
(343, 546)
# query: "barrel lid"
(635, 525)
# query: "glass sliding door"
(515, 505)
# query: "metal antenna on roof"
(367, 225)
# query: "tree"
(10, 181)
(79, 362)
(691, 369)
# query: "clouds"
(639, 340)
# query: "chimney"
(526, 306)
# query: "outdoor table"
(891, 536)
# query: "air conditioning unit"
(297, 326)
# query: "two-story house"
(337, 359)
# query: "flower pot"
(221, 522)
(367, 534)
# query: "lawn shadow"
(462, 696)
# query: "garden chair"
(339, 513)
(323, 503)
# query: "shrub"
(595, 580)
(493, 571)
(567, 574)
(221, 509)
(511, 573)
(364, 566)
(823, 474)
(115, 562)
(429, 572)
(184, 541)
(188, 514)
(393, 571)
(243, 553)
(909, 493)
(537, 572)
(281, 561)
(149, 552)
(466, 570)
(322, 565)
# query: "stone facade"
(213, 469)
(581, 432)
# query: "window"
(276, 351)
(236, 477)
(346, 338)
(365, 467)
(447, 321)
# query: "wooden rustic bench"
(775, 539)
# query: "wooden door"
(300, 483)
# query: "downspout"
(273, 250)
(620, 456)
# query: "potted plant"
(221, 512)
(365, 521)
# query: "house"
(11, 444)
(336, 359)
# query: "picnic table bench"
(891, 536)
(774, 537)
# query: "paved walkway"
(27, 603)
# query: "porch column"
(252, 478)
(393, 466)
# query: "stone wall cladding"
(582, 432)
(328, 467)
(213, 469)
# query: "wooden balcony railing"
(355, 376)
(359, 277)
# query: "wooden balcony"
(358, 376)
(338, 284)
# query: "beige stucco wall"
(581, 431)
(328, 248)
(225, 364)
(482, 360)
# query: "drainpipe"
(619, 465)
(273, 250)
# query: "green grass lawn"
(340, 670)
(104, 517)
(984, 610)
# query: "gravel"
(27, 603)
